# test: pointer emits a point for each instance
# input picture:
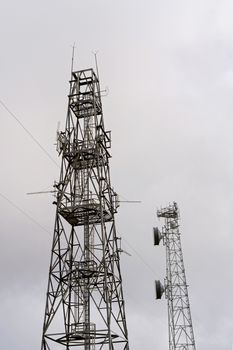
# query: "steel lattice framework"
(181, 335)
(85, 304)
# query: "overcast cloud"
(169, 69)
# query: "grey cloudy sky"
(169, 69)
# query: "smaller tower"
(181, 335)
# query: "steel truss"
(85, 304)
(181, 336)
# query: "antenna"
(120, 250)
(40, 192)
(129, 201)
(58, 126)
(125, 200)
(72, 60)
(96, 63)
(104, 92)
(57, 133)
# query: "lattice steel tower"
(181, 335)
(85, 305)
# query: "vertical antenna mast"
(96, 63)
(181, 335)
(85, 304)
(72, 60)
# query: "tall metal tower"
(181, 335)
(85, 305)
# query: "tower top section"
(84, 75)
(169, 212)
(84, 96)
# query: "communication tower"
(181, 335)
(85, 304)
